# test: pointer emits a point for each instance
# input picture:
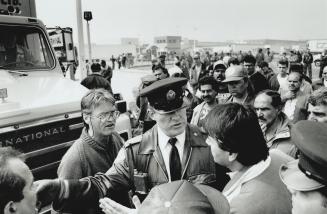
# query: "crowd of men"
(226, 135)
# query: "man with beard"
(208, 87)
(274, 123)
(171, 150)
(296, 105)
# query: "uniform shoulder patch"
(133, 141)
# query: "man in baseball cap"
(176, 197)
(306, 178)
(239, 86)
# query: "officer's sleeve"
(87, 191)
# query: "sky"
(204, 20)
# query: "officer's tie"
(174, 161)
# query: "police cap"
(166, 95)
(310, 171)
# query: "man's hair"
(233, 60)
(96, 67)
(93, 98)
(209, 80)
(283, 62)
(276, 100)
(263, 64)
(296, 67)
(249, 59)
(11, 184)
(318, 97)
(237, 127)
(296, 72)
(103, 63)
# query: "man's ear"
(151, 113)
(87, 118)
(10, 208)
(232, 156)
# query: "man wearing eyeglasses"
(99, 143)
(171, 150)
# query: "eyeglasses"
(106, 116)
(196, 58)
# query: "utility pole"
(81, 56)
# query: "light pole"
(81, 56)
(88, 17)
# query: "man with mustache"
(98, 145)
(208, 87)
(219, 76)
(274, 123)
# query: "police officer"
(306, 178)
(171, 150)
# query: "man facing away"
(237, 142)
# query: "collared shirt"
(165, 147)
(289, 108)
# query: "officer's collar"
(150, 139)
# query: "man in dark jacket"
(171, 150)
(96, 80)
(98, 145)
(259, 82)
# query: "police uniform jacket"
(197, 167)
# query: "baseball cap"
(309, 172)
(166, 95)
(184, 197)
(235, 73)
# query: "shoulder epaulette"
(133, 141)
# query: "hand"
(47, 190)
(109, 206)
(289, 95)
(263, 127)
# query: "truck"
(39, 108)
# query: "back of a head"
(11, 184)
(96, 67)
(238, 128)
(249, 59)
(318, 97)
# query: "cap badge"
(170, 95)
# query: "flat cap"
(166, 95)
(310, 171)
(235, 73)
(183, 197)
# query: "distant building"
(168, 44)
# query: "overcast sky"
(205, 20)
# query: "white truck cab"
(39, 108)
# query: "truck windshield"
(24, 48)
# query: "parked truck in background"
(39, 108)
